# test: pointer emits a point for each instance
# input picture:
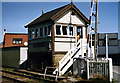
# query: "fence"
(88, 68)
(99, 68)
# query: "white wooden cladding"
(74, 19)
(61, 46)
(65, 39)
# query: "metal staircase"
(67, 60)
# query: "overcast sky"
(15, 15)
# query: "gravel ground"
(5, 80)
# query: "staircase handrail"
(66, 56)
(63, 67)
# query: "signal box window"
(79, 31)
(49, 30)
(58, 32)
(36, 33)
(64, 29)
(45, 31)
(29, 34)
(33, 33)
(41, 31)
(71, 31)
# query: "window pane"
(13, 41)
(45, 31)
(64, 29)
(32, 33)
(101, 42)
(58, 30)
(29, 34)
(41, 31)
(36, 32)
(79, 31)
(16, 42)
(20, 42)
(112, 42)
(71, 31)
(49, 30)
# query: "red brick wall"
(9, 39)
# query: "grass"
(113, 81)
(8, 69)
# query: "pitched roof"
(54, 14)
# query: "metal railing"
(50, 68)
(102, 67)
(99, 68)
(90, 68)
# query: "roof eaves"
(38, 23)
(32, 22)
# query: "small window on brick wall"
(17, 40)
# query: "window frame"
(49, 26)
(42, 32)
(80, 27)
(29, 34)
(70, 32)
(33, 35)
(17, 40)
(68, 35)
(66, 30)
(45, 28)
(60, 30)
(36, 33)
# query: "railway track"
(6, 79)
(18, 77)
(23, 76)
